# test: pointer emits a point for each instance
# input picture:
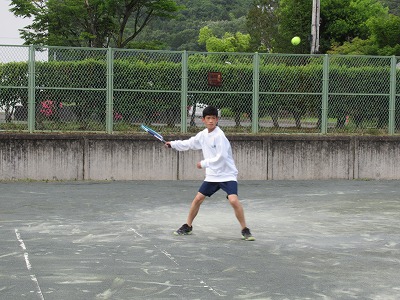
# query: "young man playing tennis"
(221, 172)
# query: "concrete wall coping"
(233, 137)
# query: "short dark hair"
(210, 111)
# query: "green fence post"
(184, 91)
(31, 89)
(392, 96)
(110, 93)
(256, 91)
(325, 95)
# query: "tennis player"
(221, 172)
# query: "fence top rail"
(19, 46)
(201, 53)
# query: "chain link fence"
(115, 90)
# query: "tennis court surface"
(113, 240)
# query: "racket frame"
(153, 133)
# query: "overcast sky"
(9, 34)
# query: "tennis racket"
(153, 133)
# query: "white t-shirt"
(217, 153)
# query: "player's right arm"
(190, 144)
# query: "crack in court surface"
(171, 258)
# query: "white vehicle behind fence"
(199, 110)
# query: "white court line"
(28, 264)
(170, 257)
(9, 254)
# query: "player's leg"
(231, 189)
(238, 208)
(206, 189)
(239, 212)
(186, 229)
(194, 208)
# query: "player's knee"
(234, 200)
(199, 198)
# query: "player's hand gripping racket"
(154, 133)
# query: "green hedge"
(153, 86)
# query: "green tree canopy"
(384, 39)
(294, 20)
(386, 32)
(182, 33)
(262, 22)
(93, 23)
(344, 20)
(237, 42)
(393, 5)
(341, 22)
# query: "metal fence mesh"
(70, 90)
(147, 89)
(359, 90)
(116, 90)
(290, 94)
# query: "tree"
(182, 32)
(237, 42)
(393, 5)
(294, 20)
(355, 47)
(344, 20)
(384, 39)
(93, 23)
(262, 22)
(341, 22)
(386, 34)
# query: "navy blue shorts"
(209, 188)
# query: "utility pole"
(315, 27)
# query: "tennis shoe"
(184, 230)
(246, 235)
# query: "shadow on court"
(113, 240)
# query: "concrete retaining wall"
(109, 157)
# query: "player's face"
(210, 122)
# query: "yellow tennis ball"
(296, 40)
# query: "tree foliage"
(384, 39)
(182, 33)
(294, 20)
(393, 5)
(262, 22)
(372, 25)
(237, 42)
(342, 21)
(386, 34)
(92, 23)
